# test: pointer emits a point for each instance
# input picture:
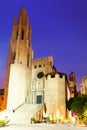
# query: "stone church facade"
(32, 81)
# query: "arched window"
(28, 59)
(22, 35)
(14, 55)
(17, 34)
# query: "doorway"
(39, 99)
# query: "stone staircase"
(21, 116)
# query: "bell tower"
(72, 83)
(18, 72)
(21, 39)
(72, 77)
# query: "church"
(29, 80)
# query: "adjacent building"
(84, 85)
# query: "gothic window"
(28, 59)
(22, 35)
(17, 34)
(14, 55)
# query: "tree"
(75, 92)
(79, 106)
(69, 103)
(84, 115)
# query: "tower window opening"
(17, 34)
(61, 76)
(22, 35)
(14, 55)
(39, 66)
(28, 59)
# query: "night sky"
(59, 29)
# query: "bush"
(47, 119)
(32, 119)
(2, 122)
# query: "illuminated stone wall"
(44, 64)
(18, 85)
(53, 89)
(55, 94)
(19, 58)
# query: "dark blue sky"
(59, 28)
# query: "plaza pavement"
(42, 127)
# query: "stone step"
(22, 115)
